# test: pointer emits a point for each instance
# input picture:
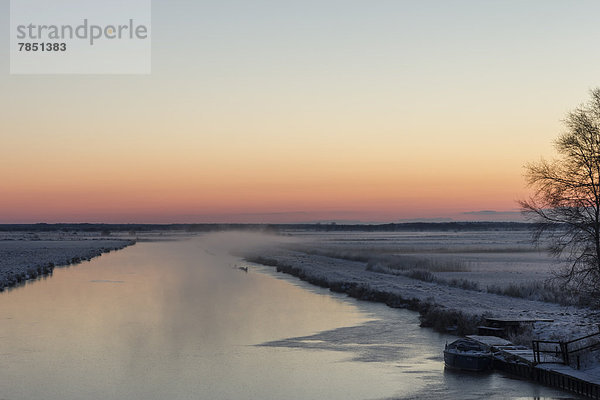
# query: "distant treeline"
(317, 227)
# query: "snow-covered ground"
(26, 256)
(499, 258)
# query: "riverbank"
(445, 308)
(24, 258)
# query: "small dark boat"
(467, 355)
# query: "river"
(179, 320)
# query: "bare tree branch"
(565, 204)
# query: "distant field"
(486, 258)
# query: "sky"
(289, 111)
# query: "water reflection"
(179, 320)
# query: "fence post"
(565, 353)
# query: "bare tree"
(565, 203)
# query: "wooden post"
(565, 353)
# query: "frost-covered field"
(499, 258)
(25, 256)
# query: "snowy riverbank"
(24, 258)
(447, 299)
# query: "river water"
(179, 320)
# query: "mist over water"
(180, 320)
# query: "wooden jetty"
(549, 368)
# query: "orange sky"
(364, 113)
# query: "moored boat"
(467, 355)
